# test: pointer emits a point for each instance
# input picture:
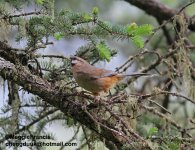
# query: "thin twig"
(23, 14)
(164, 92)
(159, 105)
(110, 129)
(53, 56)
(130, 130)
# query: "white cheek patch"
(74, 62)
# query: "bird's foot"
(83, 93)
(97, 99)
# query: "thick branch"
(158, 10)
(12, 54)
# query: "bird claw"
(97, 99)
(83, 93)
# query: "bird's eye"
(73, 58)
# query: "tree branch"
(160, 11)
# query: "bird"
(93, 79)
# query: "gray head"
(75, 60)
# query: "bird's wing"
(94, 72)
(108, 73)
(103, 73)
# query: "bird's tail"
(135, 74)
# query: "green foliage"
(87, 17)
(131, 28)
(138, 41)
(58, 36)
(39, 2)
(95, 11)
(104, 51)
(131, 31)
(152, 131)
(66, 24)
(38, 28)
(107, 28)
(144, 30)
(70, 122)
(173, 145)
(135, 32)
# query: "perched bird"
(93, 79)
